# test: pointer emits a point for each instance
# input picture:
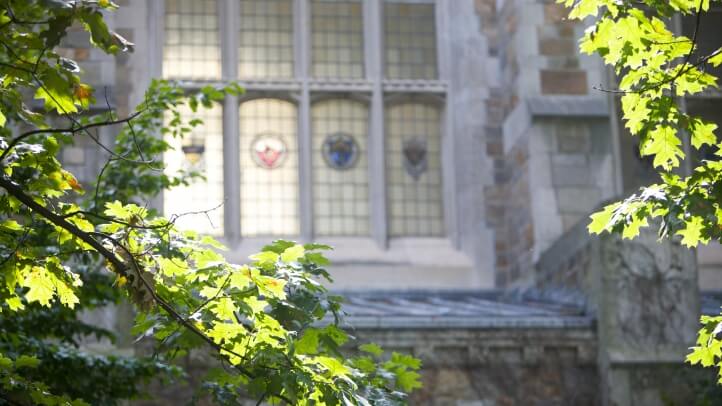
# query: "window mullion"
(228, 17)
(373, 24)
(301, 38)
(448, 146)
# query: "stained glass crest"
(415, 156)
(340, 150)
(269, 150)
(193, 149)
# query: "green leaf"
(25, 361)
(334, 367)
(265, 258)
(117, 210)
(271, 287)
(601, 221)
(5, 362)
(372, 348)
(408, 380)
(631, 229)
(692, 232)
(15, 303)
(664, 145)
(11, 225)
(308, 343)
(292, 254)
(703, 133)
(173, 267)
(317, 258)
(716, 60)
(57, 93)
(41, 286)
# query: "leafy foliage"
(657, 69)
(270, 323)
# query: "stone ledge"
(568, 106)
(521, 118)
(443, 323)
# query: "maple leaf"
(703, 133)
(664, 145)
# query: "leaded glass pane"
(265, 44)
(192, 44)
(410, 41)
(269, 168)
(413, 164)
(340, 168)
(337, 38)
(201, 150)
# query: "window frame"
(304, 90)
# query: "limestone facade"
(530, 150)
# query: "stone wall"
(551, 164)
(645, 297)
(499, 367)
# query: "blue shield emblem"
(340, 151)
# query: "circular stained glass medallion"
(340, 151)
(268, 150)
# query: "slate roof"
(460, 309)
(711, 302)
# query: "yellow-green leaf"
(265, 258)
(292, 254)
(601, 220)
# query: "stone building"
(451, 151)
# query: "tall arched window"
(265, 39)
(192, 47)
(201, 202)
(413, 165)
(304, 157)
(269, 168)
(337, 39)
(410, 40)
(340, 168)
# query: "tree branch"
(72, 129)
(17, 192)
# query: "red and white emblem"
(269, 151)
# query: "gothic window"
(340, 168)
(331, 97)
(269, 168)
(337, 39)
(199, 151)
(410, 40)
(192, 45)
(413, 161)
(265, 39)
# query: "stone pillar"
(648, 306)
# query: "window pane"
(265, 47)
(413, 165)
(201, 150)
(410, 41)
(340, 168)
(192, 44)
(337, 38)
(269, 168)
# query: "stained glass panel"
(413, 165)
(340, 168)
(201, 151)
(269, 168)
(265, 41)
(410, 41)
(337, 38)
(192, 44)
